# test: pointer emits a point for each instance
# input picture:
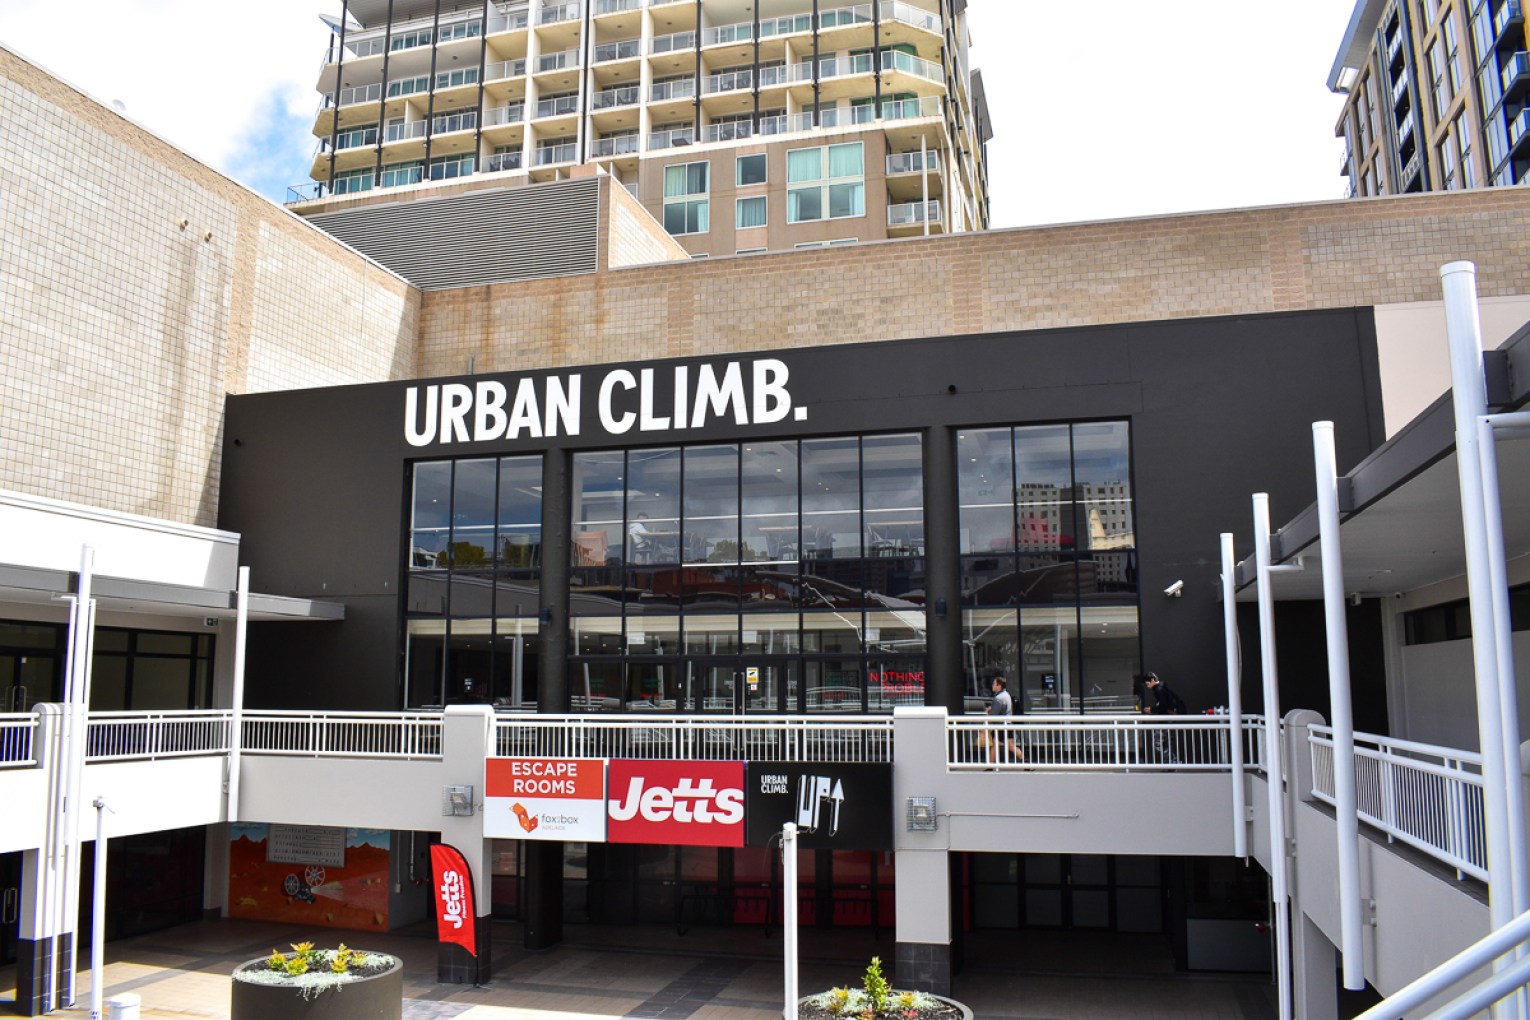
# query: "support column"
(945, 684)
(557, 501)
(923, 957)
(1314, 992)
(34, 944)
(467, 738)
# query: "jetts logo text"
(692, 803)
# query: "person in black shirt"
(1164, 702)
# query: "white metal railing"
(1426, 796)
(625, 95)
(821, 738)
(612, 6)
(616, 145)
(502, 161)
(558, 106)
(17, 730)
(410, 735)
(727, 131)
(119, 736)
(562, 12)
(1113, 743)
(902, 214)
(557, 61)
(727, 81)
(845, 116)
(624, 49)
(673, 41)
(361, 94)
(509, 22)
(403, 132)
(454, 122)
(908, 162)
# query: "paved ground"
(654, 973)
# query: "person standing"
(1164, 702)
(1002, 705)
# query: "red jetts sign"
(454, 897)
(690, 803)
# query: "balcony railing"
(627, 95)
(672, 42)
(1425, 796)
(1505, 16)
(562, 12)
(672, 137)
(727, 131)
(626, 49)
(612, 6)
(504, 69)
(906, 163)
(512, 113)
(665, 91)
(728, 81)
(502, 161)
(558, 107)
(1089, 743)
(1513, 68)
(17, 730)
(549, 154)
(1518, 126)
(617, 145)
(361, 94)
(404, 132)
(454, 122)
(509, 22)
(897, 109)
(409, 735)
(557, 61)
(697, 738)
(121, 736)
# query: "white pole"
(80, 644)
(924, 180)
(789, 914)
(1347, 821)
(1274, 768)
(236, 722)
(1469, 396)
(1503, 646)
(98, 915)
(1234, 694)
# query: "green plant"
(838, 1000)
(876, 987)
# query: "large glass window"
(685, 198)
(750, 212)
(750, 577)
(825, 183)
(1048, 542)
(473, 569)
(750, 169)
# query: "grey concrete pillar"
(467, 738)
(923, 958)
(942, 550)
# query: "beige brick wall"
(137, 287)
(628, 235)
(1322, 255)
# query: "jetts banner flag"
(455, 914)
(836, 806)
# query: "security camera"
(1175, 590)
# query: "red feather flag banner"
(455, 913)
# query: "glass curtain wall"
(1049, 572)
(776, 576)
(473, 568)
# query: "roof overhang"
(1357, 39)
(1400, 508)
(32, 585)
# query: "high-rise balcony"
(626, 95)
(501, 161)
(728, 81)
(613, 6)
(837, 17)
(466, 121)
(549, 154)
(360, 94)
(624, 49)
(908, 214)
(909, 163)
(672, 42)
(562, 12)
(727, 131)
(1506, 17)
(615, 145)
(1516, 76)
(502, 69)
(405, 132)
(895, 109)
(666, 91)
(557, 61)
(558, 106)
(510, 113)
(672, 137)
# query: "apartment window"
(358, 136)
(750, 212)
(1448, 163)
(1452, 53)
(352, 181)
(751, 169)
(451, 166)
(402, 173)
(1428, 9)
(408, 86)
(685, 198)
(1463, 133)
(409, 40)
(461, 30)
(451, 79)
(825, 183)
(1439, 88)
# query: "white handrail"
(1428, 797)
(815, 738)
(17, 746)
(1436, 981)
(408, 735)
(121, 736)
(1107, 743)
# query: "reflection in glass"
(709, 686)
(894, 682)
(596, 635)
(430, 522)
(831, 499)
(652, 686)
(596, 525)
(596, 686)
(770, 634)
(653, 506)
(711, 634)
(892, 483)
(834, 632)
(474, 486)
(1108, 637)
(769, 485)
(899, 631)
(653, 634)
(1043, 488)
(990, 648)
(710, 518)
(520, 513)
(985, 490)
(832, 685)
(1049, 659)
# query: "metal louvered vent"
(479, 238)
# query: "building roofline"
(1357, 39)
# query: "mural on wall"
(311, 874)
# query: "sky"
(1100, 109)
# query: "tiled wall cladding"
(1322, 255)
(137, 287)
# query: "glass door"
(26, 679)
(714, 685)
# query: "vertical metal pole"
(924, 180)
(789, 915)
(334, 125)
(1273, 756)
(98, 915)
(382, 100)
(1469, 395)
(1503, 645)
(80, 642)
(1347, 821)
(1234, 695)
(236, 720)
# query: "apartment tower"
(741, 125)
(1438, 95)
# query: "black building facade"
(829, 529)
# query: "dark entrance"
(10, 906)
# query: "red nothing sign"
(690, 803)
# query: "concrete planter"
(807, 1011)
(377, 996)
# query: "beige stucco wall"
(1324, 255)
(628, 235)
(137, 287)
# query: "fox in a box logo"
(690, 803)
